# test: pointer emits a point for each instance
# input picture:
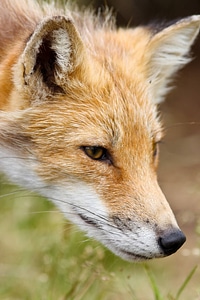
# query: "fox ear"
(168, 50)
(52, 53)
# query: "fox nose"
(171, 241)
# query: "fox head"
(81, 127)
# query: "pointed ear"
(169, 50)
(52, 53)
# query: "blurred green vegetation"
(42, 256)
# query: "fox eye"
(96, 152)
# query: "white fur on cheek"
(77, 199)
(19, 169)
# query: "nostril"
(171, 241)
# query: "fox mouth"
(133, 256)
(128, 255)
(138, 249)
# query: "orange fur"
(68, 80)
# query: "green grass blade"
(153, 283)
(186, 281)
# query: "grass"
(156, 290)
(42, 256)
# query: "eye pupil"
(95, 152)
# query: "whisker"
(107, 221)
(12, 193)
(182, 124)
(22, 193)
(27, 193)
(78, 206)
(18, 157)
(44, 212)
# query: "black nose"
(171, 241)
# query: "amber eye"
(95, 152)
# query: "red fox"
(79, 121)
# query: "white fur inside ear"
(170, 49)
(62, 46)
(49, 55)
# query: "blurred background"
(44, 257)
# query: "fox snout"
(134, 226)
(148, 240)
